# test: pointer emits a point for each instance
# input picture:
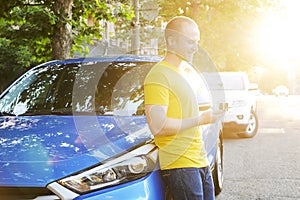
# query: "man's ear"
(171, 41)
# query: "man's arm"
(159, 124)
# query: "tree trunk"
(62, 33)
(194, 13)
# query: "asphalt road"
(266, 167)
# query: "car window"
(223, 81)
(233, 82)
(87, 88)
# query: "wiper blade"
(48, 112)
(62, 111)
(7, 114)
(65, 111)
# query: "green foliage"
(13, 60)
(21, 53)
(29, 27)
(96, 11)
(32, 25)
(26, 29)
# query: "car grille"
(14, 193)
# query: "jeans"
(189, 183)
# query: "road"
(266, 167)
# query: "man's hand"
(210, 116)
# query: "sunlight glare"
(278, 35)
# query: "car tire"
(217, 173)
(252, 127)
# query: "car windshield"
(233, 83)
(87, 88)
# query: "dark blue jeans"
(189, 183)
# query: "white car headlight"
(239, 103)
(126, 168)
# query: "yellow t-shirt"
(166, 84)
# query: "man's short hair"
(177, 24)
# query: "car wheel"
(252, 127)
(217, 172)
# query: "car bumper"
(234, 126)
(237, 117)
(281, 94)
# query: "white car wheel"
(252, 127)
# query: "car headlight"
(120, 170)
(239, 103)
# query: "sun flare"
(278, 35)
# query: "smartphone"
(223, 106)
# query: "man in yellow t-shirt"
(173, 115)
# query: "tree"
(62, 31)
(36, 31)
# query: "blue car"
(76, 129)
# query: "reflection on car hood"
(36, 150)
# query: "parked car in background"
(76, 129)
(234, 90)
(281, 90)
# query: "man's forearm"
(161, 125)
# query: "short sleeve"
(156, 88)
(156, 94)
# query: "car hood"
(37, 150)
(235, 94)
(229, 95)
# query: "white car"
(234, 90)
(281, 90)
